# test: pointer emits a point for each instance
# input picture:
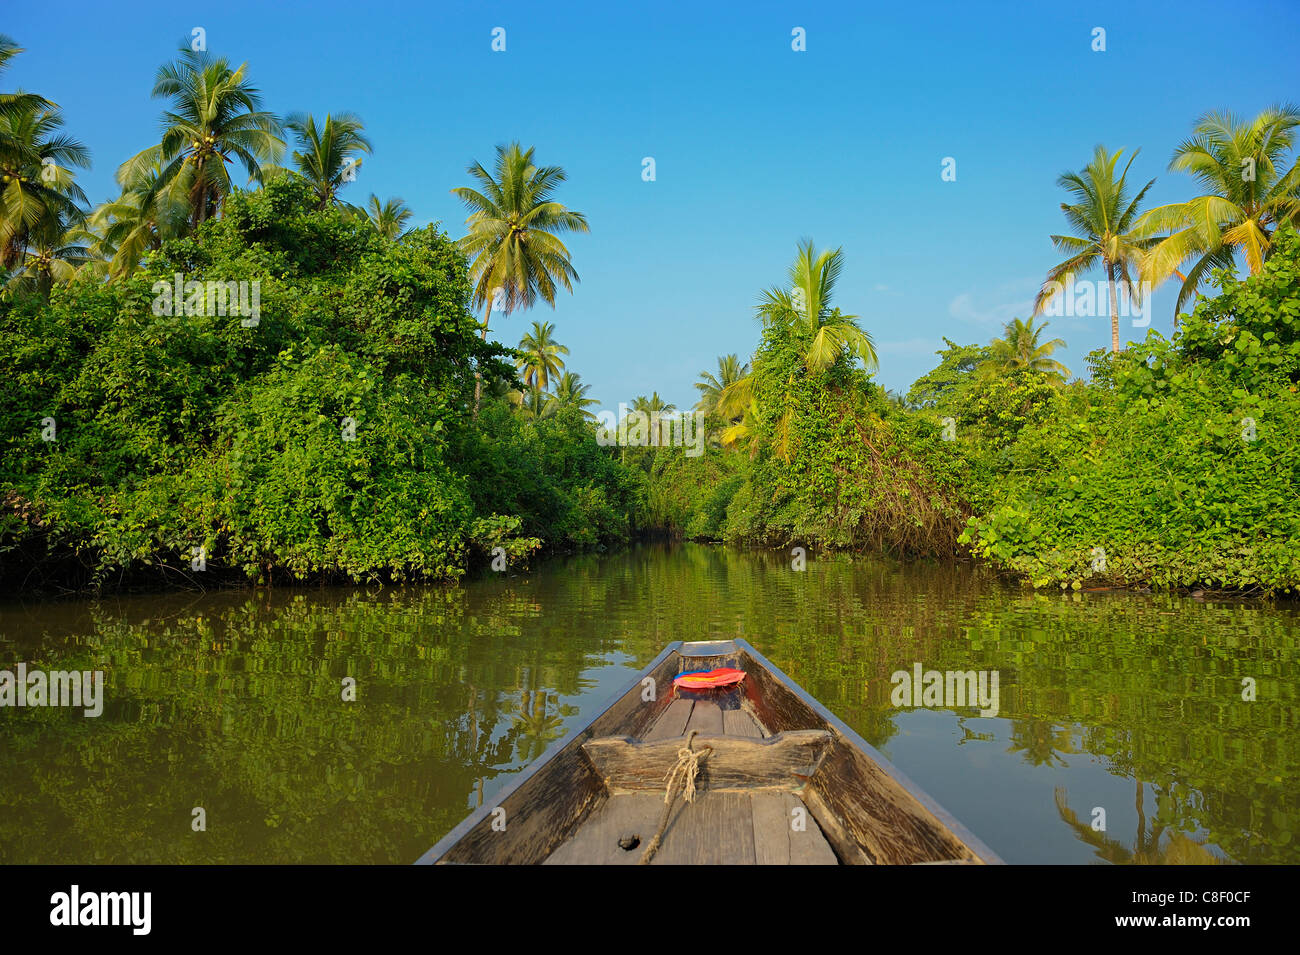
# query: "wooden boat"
(778, 779)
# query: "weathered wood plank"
(833, 828)
(716, 829)
(808, 845)
(736, 762)
(777, 707)
(777, 841)
(632, 714)
(771, 828)
(671, 723)
(740, 723)
(874, 814)
(708, 831)
(536, 817)
(706, 719)
(596, 842)
(731, 657)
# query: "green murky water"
(233, 703)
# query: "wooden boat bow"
(786, 782)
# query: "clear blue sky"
(755, 145)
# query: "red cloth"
(724, 676)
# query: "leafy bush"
(689, 496)
(1182, 467)
(1177, 464)
(327, 439)
(837, 465)
(567, 489)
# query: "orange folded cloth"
(703, 679)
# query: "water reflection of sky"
(973, 763)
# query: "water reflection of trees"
(233, 702)
(1148, 847)
(1041, 742)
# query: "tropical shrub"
(689, 496)
(837, 465)
(325, 437)
(566, 488)
(1183, 467)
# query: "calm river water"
(232, 703)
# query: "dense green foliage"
(328, 435)
(1180, 464)
(940, 385)
(834, 465)
(567, 489)
(1176, 463)
(689, 496)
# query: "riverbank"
(339, 440)
(1176, 464)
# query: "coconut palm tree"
(533, 403)
(571, 393)
(39, 196)
(711, 387)
(51, 254)
(214, 118)
(138, 221)
(740, 433)
(514, 254)
(807, 304)
(388, 217)
(1020, 350)
(541, 359)
(738, 405)
(1248, 193)
(12, 152)
(737, 396)
(653, 406)
(804, 306)
(17, 100)
(501, 386)
(658, 412)
(1107, 233)
(329, 155)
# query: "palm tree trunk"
(1140, 845)
(473, 726)
(201, 200)
(478, 377)
(1114, 309)
(1181, 278)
